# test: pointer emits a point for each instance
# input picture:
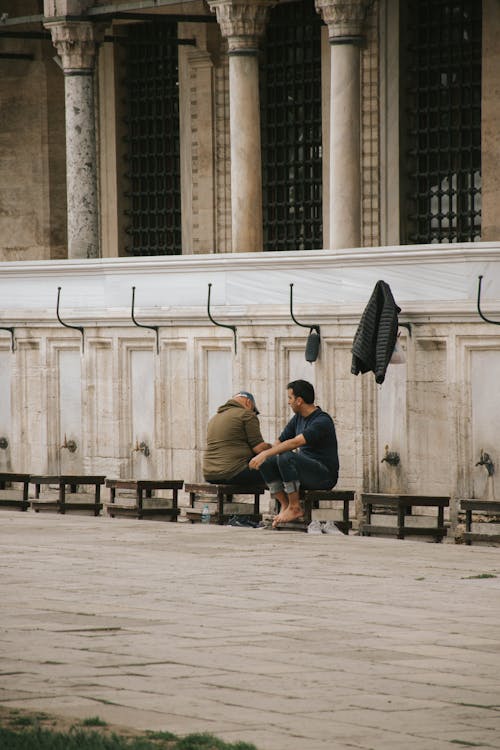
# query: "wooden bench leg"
(440, 522)
(220, 507)
(256, 504)
(62, 498)
(345, 516)
(401, 522)
(25, 495)
(97, 509)
(175, 504)
(468, 524)
(368, 515)
(307, 510)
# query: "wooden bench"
(64, 504)
(488, 510)
(403, 505)
(221, 494)
(143, 490)
(6, 501)
(312, 499)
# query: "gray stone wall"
(32, 154)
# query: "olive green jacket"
(231, 435)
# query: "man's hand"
(259, 459)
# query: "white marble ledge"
(422, 278)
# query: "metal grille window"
(442, 139)
(152, 125)
(291, 128)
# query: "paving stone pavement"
(286, 640)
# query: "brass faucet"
(69, 444)
(485, 460)
(141, 448)
(392, 457)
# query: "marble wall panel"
(430, 419)
(340, 395)
(254, 372)
(67, 420)
(99, 408)
(176, 404)
(6, 361)
(142, 416)
(484, 419)
(29, 408)
(392, 429)
(213, 385)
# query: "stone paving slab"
(285, 640)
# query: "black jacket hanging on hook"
(375, 338)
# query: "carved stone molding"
(76, 43)
(345, 18)
(242, 23)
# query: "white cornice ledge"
(310, 259)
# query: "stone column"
(243, 24)
(345, 24)
(77, 43)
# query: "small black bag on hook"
(312, 346)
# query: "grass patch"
(36, 731)
(93, 721)
(480, 575)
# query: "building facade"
(256, 155)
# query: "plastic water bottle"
(205, 514)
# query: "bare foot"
(277, 519)
(291, 514)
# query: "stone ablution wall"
(438, 410)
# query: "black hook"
(222, 325)
(141, 325)
(11, 331)
(67, 325)
(313, 340)
(495, 322)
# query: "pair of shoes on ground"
(327, 527)
(243, 521)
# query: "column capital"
(242, 22)
(345, 19)
(76, 43)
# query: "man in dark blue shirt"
(305, 453)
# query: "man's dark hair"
(303, 389)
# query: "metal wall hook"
(494, 322)
(67, 325)
(221, 325)
(141, 325)
(407, 326)
(11, 331)
(314, 338)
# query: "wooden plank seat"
(312, 499)
(64, 503)
(221, 494)
(144, 504)
(488, 511)
(403, 506)
(13, 496)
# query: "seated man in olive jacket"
(233, 438)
